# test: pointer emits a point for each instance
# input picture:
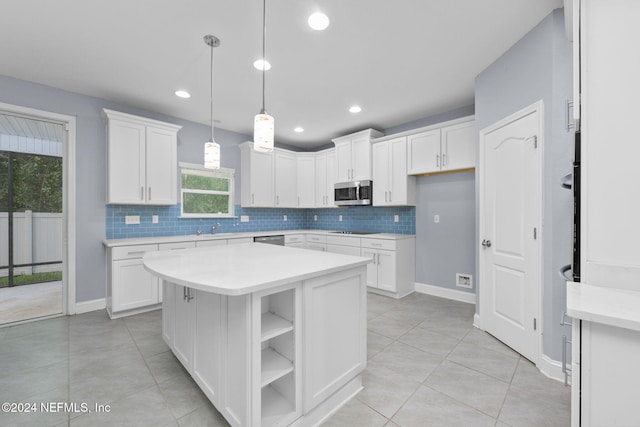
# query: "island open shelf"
(274, 336)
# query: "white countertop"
(610, 306)
(244, 268)
(194, 238)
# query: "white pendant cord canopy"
(212, 148)
(263, 125)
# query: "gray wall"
(91, 165)
(539, 67)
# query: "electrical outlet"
(436, 219)
(464, 280)
(132, 219)
(244, 218)
(396, 218)
(315, 217)
(284, 217)
(154, 219)
(339, 217)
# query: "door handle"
(486, 243)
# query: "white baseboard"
(476, 321)
(441, 292)
(551, 368)
(93, 305)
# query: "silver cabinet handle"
(186, 294)
(390, 199)
(444, 159)
(135, 253)
(141, 193)
(149, 193)
(277, 200)
(437, 160)
(566, 371)
(253, 199)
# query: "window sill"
(207, 216)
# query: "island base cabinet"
(286, 356)
(335, 344)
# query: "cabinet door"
(381, 174)
(386, 263)
(261, 179)
(184, 326)
(372, 267)
(208, 332)
(332, 178)
(126, 163)
(285, 173)
(321, 247)
(459, 146)
(345, 250)
(321, 181)
(424, 152)
(306, 181)
(132, 285)
(161, 167)
(343, 161)
(398, 180)
(361, 158)
(168, 313)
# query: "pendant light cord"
(264, 60)
(212, 92)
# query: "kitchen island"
(272, 335)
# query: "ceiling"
(399, 60)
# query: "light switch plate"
(284, 217)
(339, 217)
(154, 219)
(132, 219)
(244, 218)
(396, 218)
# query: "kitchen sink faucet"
(214, 227)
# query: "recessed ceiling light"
(318, 21)
(299, 129)
(182, 94)
(355, 109)
(259, 64)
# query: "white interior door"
(510, 218)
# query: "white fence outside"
(37, 237)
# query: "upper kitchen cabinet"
(444, 147)
(306, 179)
(257, 177)
(285, 173)
(353, 154)
(392, 186)
(326, 177)
(141, 160)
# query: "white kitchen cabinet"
(392, 186)
(239, 240)
(204, 243)
(131, 289)
(326, 178)
(294, 240)
(441, 148)
(306, 180)
(257, 177)
(392, 271)
(353, 155)
(285, 172)
(346, 245)
(141, 160)
(184, 324)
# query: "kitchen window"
(206, 193)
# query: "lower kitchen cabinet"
(392, 272)
(131, 288)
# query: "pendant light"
(212, 148)
(263, 124)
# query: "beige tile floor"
(427, 366)
(25, 302)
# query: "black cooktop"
(360, 233)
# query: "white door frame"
(69, 198)
(539, 108)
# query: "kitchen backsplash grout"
(358, 218)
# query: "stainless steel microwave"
(353, 193)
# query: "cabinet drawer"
(316, 238)
(130, 252)
(344, 240)
(389, 245)
(240, 240)
(176, 246)
(293, 238)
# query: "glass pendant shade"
(212, 155)
(263, 131)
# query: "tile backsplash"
(356, 218)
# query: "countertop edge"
(609, 306)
